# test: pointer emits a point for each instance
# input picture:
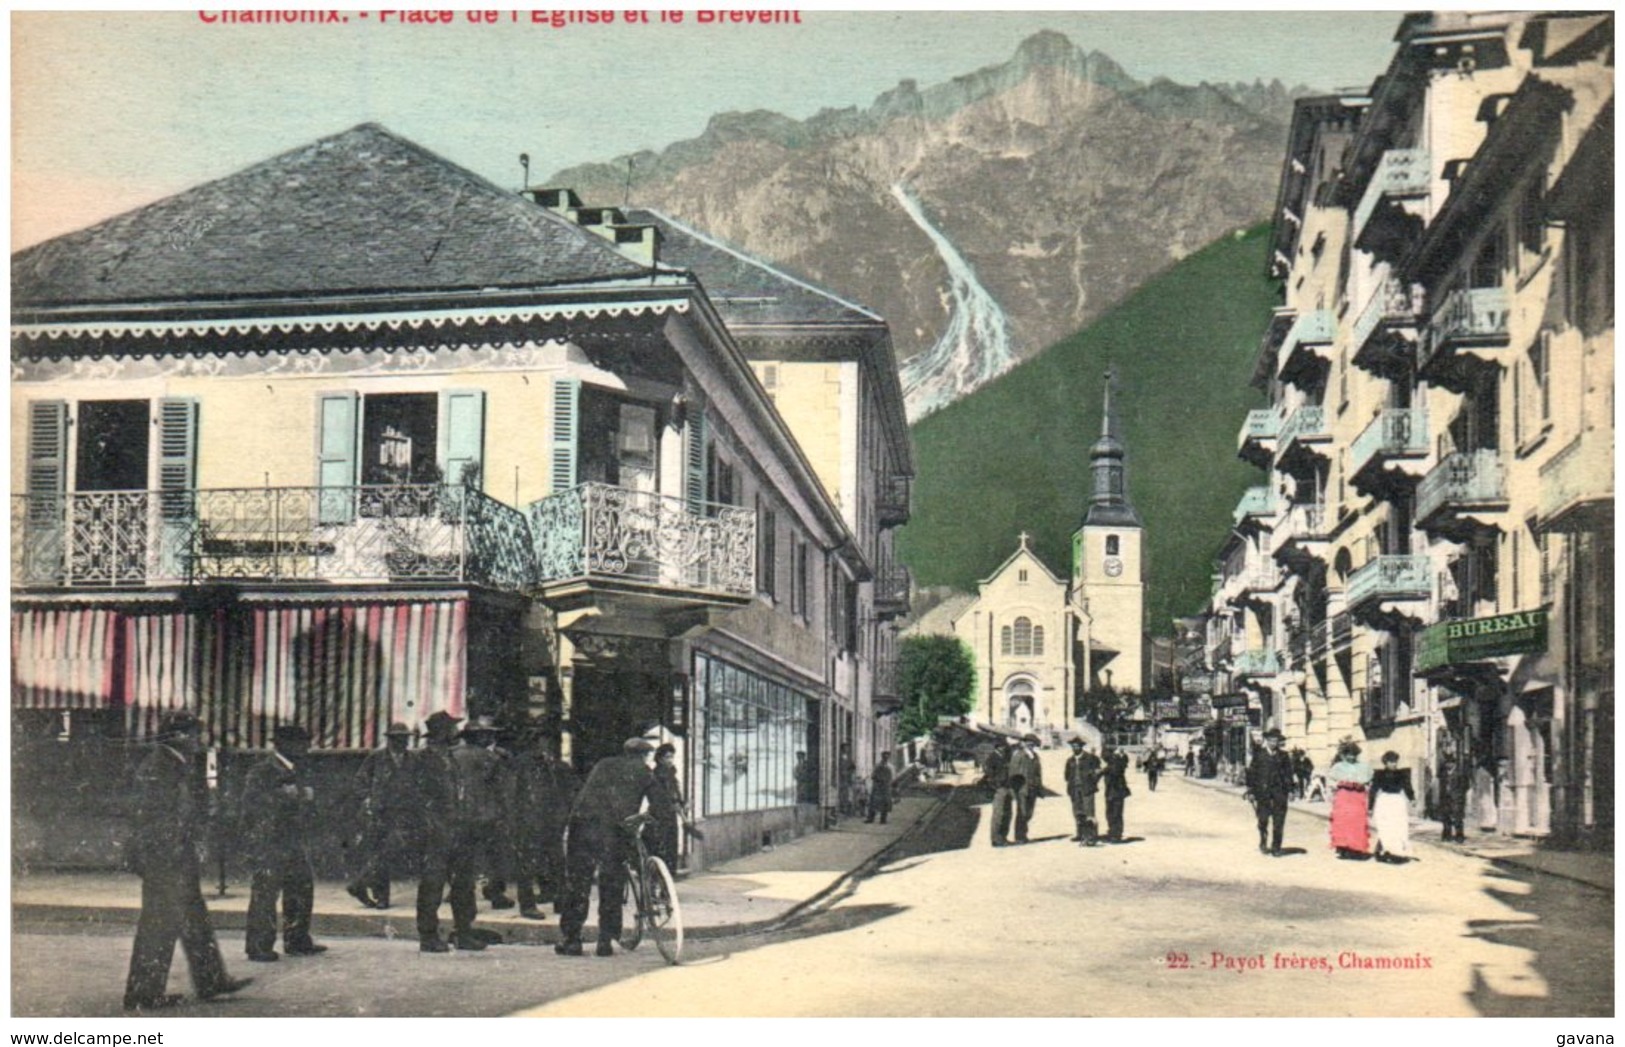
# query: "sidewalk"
(1588, 867)
(746, 895)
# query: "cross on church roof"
(1024, 536)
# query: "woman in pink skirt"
(1350, 778)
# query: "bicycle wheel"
(665, 916)
(632, 910)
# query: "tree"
(936, 676)
(1107, 708)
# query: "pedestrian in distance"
(880, 783)
(448, 841)
(1350, 778)
(1026, 783)
(162, 850)
(1153, 768)
(1082, 784)
(667, 808)
(1391, 798)
(1303, 768)
(1115, 776)
(846, 772)
(996, 773)
(544, 791)
(1190, 763)
(1453, 788)
(277, 812)
(386, 818)
(1269, 786)
(599, 843)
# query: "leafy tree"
(936, 676)
(1108, 708)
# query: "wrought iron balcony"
(1256, 444)
(278, 535)
(893, 586)
(1256, 504)
(1307, 348)
(886, 694)
(1401, 174)
(1386, 327)
(1397, 437)
(1468, 318)
(893, 504)
(597, 535)
(1389, 578)
(1255, 663)
(1302, 429)
(1577, 484)
(1461, 492)
(1301, 533)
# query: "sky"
(114, 110)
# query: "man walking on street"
(997, 776)
(163, 851)
(277, 811)
(1026, 782)
(1082, 782)
(1270, 779)
(1453, 785)
(385, 817)
(600, 842)
(880, 789)
(1117, 790)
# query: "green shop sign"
(1475, 639)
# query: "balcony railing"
(271, 534)
(892, 588)
(1300, 525)
(1393, 308)
(885, 689)
(1400, 173)
(1467, 318)
(1315, 328)
(893, 505)
(1256, 662)
(1257, 501)
(1463, 483)
(1577, 485)
(1305, 424)
(1260, 425)
(596, 532)
(1397, 432)
(1394, 576)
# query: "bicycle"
(651, 894)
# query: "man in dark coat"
(598, 842)
(485, 783)
(276, 814)
(667, 808)
(1026, 783)
(997, 776)
(880, 783)
(544, 790)
(1453, 788)
(1270, 780)
(385, 817)
(1115, 775)
(448, 841)
(163, 852)
(1082, 783)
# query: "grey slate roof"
(747, 290)
(361, 211)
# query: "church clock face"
(1113, 566)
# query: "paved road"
(953, 927)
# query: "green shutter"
(462, 432)
(336, 457)
(695, 438)
(47, 448)
(566, 419)
(177, 455)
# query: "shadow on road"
(952, 829)
(1568, 962)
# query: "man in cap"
(997, 775)
(1026, 783)
(485, 781)
(277, 811)
(599, 842)
(447, 838)
(1082, 782)
(1115, 779)
(385, 817)
(1269, 786)
(162, 850)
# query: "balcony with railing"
(270, 535)
(1386, 328)
(1301, 534)
(1255, 663)
(1464, 493)
(893, 586)
(1388, 582)
(1468, 321)
(1303, 439)
(1257, 505)
(1577, 484)
(886, 695)
(597, 538)
(1380, 218)
(1307, 348)
(1256, 442)
(1391, 451)
(893, 503)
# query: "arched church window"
(1024, 638)
(1004, 640)
(1111, 545)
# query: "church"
(1041, 639)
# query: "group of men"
(1014, 773)
(1086, 775)
(460, 807)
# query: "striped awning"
(63, 658)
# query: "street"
(1186, 918)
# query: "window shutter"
(177, 454)
(696, 436)
(336, 456)
(462, 432)
(47, 448)
(566, 420)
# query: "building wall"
(1042, 599)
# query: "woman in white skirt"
(1391, 797)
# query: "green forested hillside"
(1014, 455)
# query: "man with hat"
(484, 782)
(996, 773)
(1269, 786)
(162, 850)
(598, 841)
(277, 810)
(1115, 777)
(1026, 783)
(1082, 782)
(385, 817)
(543, 791)
(448, 840)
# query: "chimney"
(640, 243)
